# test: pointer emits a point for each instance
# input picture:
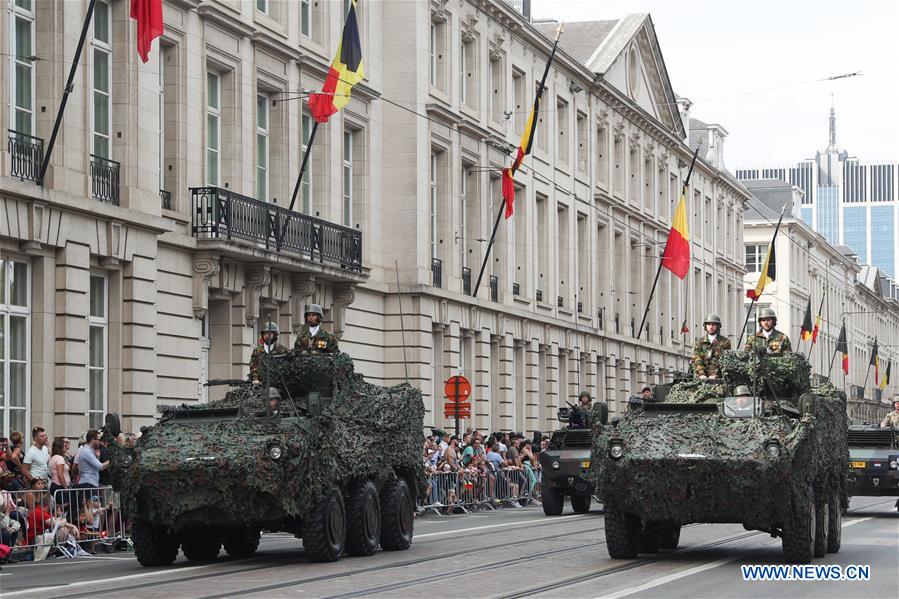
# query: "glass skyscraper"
(846, 201)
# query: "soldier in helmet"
(891, 420)
(708, 349)
(768, 339)
(313, 337)
(743, 396)
(269, 345)
(580, 417)
(273, 403)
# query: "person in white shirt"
(37, 458)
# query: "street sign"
(464, 411)
(457, 388)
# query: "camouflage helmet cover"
(314, 309)
(273, 393)
(713, 318)
(742, 391)
(584, 393)
(270, 327)
(767, 313)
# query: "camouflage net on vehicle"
(210, 464)
(690, 466)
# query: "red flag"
(684, 329)
(816, 329)
(677, 250)
(148, 14)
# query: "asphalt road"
(505, 553)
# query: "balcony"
(166, 197)
(466, 280)
(105, 180)
(437, 272)
(494, 288)
(26, 156)
(222, 214)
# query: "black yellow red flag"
(843, 348)
(806, 330)
(345, 72)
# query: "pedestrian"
(269, 346)
(36, 462)
(708, 349)
(60, 477)
(313, 337)
(768, 339)
(89, 464)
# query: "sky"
(755, 67)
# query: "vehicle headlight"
(555, 465)
(772, 450)
(616, 451)
(892, 464)
(275, 452)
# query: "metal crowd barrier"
(69, 520)
(473, 489)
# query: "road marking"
(72, 585)
(505, 524)
(671, 577)
(851, 522)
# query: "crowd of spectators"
(504, 465)
(49, 487)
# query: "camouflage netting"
(787, 375)
(689, 466)
(210, 464)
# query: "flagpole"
(868, 371)
(296, 187)
(70, 85)
(812, 345)
(770, 249)
(661, 258)
(502, 204)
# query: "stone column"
(481, 406)
(70, 399)
(139, 313)
(611, 376)
(530, 396)
(550, 403)
(506, 400)
(43, 346)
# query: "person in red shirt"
(39, 517)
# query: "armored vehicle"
(772, 457)
(566, 462)
(317, 452)
(873, 457)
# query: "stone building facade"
(145, 261)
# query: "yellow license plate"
(585, 464)
(856, 464)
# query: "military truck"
(873, 457)
(316, 452)
(566, 462)
(774, 461)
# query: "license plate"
(856, 464)
(585, 464)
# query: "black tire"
(822, 533)
(835, 524)
(152, 545)
(363, 519)
(324, 532)
(396, 515)
(241, 542)
(553, 501)
(622, 533)
(201, 546)
(669, 537)
(799, 530)
(581, 503)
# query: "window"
(434, 53)
(602, 154)
(98, 322)
(582, 142)
(306, 17)
(463, 217)
(497, 90)
(15, 346)
(519, 101)
(755, 257)
(21, 44)
(306, 199)
(213, 127)
(262, 147)
(262, 6)
(433, 205)
(161, 133)
(468, 72)
(102, 74)
(562, 128)
(348, 178)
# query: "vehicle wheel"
(580, 503)
(622, 533)
(363, 519)
(324, 534)
(835, 524)
(241, 541)
(553, 501)
(669, 537)
(396, 515)
(822, 533)
(201, 546)
(799, 530)
(152, 545)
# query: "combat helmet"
(270, 327)
(315, 309)
(584, 393)
(768, 313)
(712, 318)
(742, 391)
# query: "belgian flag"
(843, 348)
(769, 273)
(875, 362)
(677, 249)
(345, 72)
(886, 377)
(806, 330)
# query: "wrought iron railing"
(494, 288)
(437, 272)
(466, 280)
(166, 197)
(105, 179)
(26, 154)
(222, 214)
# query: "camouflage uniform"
(707, 355)
(776, 344)
(891, 420)
(258, 351)
(324, 342)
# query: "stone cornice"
(225, 19)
